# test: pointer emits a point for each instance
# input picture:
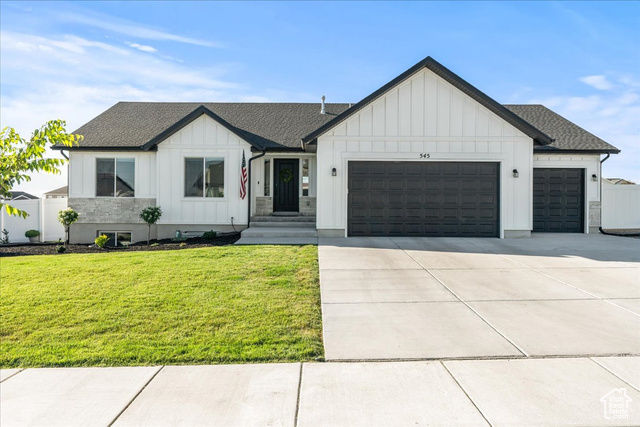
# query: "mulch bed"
(162, 245)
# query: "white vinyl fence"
(43, 216)
(620, 206)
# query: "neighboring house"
(427, 154)
(58, 193)
(618, 181)
(21, 195)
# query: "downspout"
(249, 189)
(601, 210)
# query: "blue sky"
(73, 60)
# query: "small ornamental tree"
(66, 218)
(150, 215)
(20, 158)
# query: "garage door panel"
(423, 199)
(558, 200)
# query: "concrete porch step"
(280, 224)
(284, 231)
(283, 219)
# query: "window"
(117, 238)
(115, 177)
(267, 177)
(203, 177)
(305, 177)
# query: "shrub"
(60, 249)
(153, 245)
(182, 245)
(209, 235)
(31, 233)
(66, 218)
(150, 215)
(101, 241)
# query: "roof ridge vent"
(322, 109)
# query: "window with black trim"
(305, 177)
(203, 177)
(117, 238)
(115, 177)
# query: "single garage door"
(423, 199)
(558, 200)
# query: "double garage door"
(423, 199)
(454, 199)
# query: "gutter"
(600, 228)
(249, 187)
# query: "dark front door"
(558, 200)
(423, 199)
(285, 179)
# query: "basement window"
(117, 238)
(115, 177)
(203, 177)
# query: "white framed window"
(267, 177)
(305, 177)
(203, 177)
(115, 177)
(116, 238)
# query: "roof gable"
(538, 136)
(195, 114)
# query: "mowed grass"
(232, 304)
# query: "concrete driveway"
(447, 298)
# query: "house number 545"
(425, 155)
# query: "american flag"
(243, 178)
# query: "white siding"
(425, 114)
(204, 137)
(82, 172)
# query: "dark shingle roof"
(273, 126)
(131, 125)
(568, 136)
(62, 191)
(452, 78)
(21, 195)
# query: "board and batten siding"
(203, 137)
(82, 172)
(425, 114)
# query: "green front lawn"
(209, 305)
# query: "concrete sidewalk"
(558, 391)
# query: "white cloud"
(132, 29)
(612, 116)
(599, 82)
(142, 47)
(75, 79)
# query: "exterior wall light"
(515, 173)
(594, 178)
(334, 172)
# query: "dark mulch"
(162, 245)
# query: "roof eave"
(450, 77)
(153, 142)
(553, 150)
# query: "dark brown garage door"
(558, 200)
(423, 199)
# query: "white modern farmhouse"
(427, 154)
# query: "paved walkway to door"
(447, 298)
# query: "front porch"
(286, 229)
